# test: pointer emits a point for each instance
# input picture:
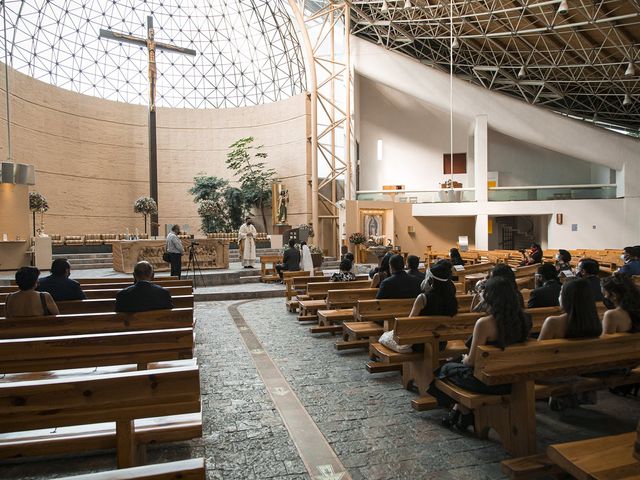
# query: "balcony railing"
(552, 192)
(454, 195)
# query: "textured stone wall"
(91, 155)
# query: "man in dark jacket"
(59, 285)
(589, 269)
(400, 284)
(290, 259)
(548, 288)
(143, 295)
(413, 262)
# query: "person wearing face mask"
(247, 238)
(589, 269)
(631, 258)
(563, 261)
(547, 287)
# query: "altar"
(212, 253)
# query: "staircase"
(513, 238)
(87, 261)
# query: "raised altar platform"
(212, 254)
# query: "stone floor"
(367, 420)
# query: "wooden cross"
(151, 45)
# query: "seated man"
(400, 284)
(631, 257)
(59, 285)
(547, 288)
(143, 295)
(589, 269)
(290, 259)
(413, 262)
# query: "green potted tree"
(317, 256)
(38, 203)
(146, 206)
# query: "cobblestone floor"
(367, 419)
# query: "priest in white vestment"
(247, 238)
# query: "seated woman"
(563, 261)
(383, 272)
(455, 257)
(502, 270)
(580, 318)
(533, 256)
(27, 302)
(345, 274)
(620, 290)
(506, 324)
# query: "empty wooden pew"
(192, 469)
(104, 305)
(82, 324)
(297, 286)
(317, 296)
(93, 350)
(94, 399)
(340, 304)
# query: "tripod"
(194, 264)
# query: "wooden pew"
(318, 292)
(114, 285)
(192, 469)
(104, 305)
(92, 350)
(297, 286)
(111, 293)
(513, 416)
(268, 271)
(126, 279)
(340, 304)
(91, 399)
(82, 324)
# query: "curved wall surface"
(91, 155)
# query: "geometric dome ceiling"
(247, 52)
(573, 60)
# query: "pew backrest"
(382, 310)
(111, 293)
(320, 289)
(82, 324)
(349, 298)
(114, 285)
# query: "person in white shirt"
(247, 238)
(175, 251)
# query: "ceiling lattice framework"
(247, 51)
(573, 63)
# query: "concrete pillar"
(481, 156)
(482, 231)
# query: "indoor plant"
(146, 206)
(38, 203)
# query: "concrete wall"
(91, 155)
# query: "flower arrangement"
(37, 202)
(316, 250)
(308, 227)
(146, 206)
(357, 238)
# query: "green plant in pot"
(38, 203)
(317, 256)
(146, 206)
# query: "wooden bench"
(114, 285)
(111, 293)
(268, 271)
(192, 469)
(104, 305)
(93, 350)
(513, 416)
(297, 286)
(93, 399)
(317, 296)
(340, 304)
(81, 324)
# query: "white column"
(482, 231)
(481, 156)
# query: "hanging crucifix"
(151, 45)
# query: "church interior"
(320, 239)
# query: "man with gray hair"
(143, 295)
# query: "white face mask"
(429, 278)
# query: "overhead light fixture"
(407, 4)
(627, 100)
(523, 72)
(455, 43)
(563, 8)
(630, 71)
(385, 6)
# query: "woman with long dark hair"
(438, 295)
(620, 290)
(506, 324)
(383, 272)
(454, 255)
(502, 270)
(580, 318)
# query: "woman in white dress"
(307, 261)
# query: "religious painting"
(373, 223)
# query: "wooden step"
(326, 329)
(351, 345)
(424, 403)
(376, 367)
(533, 466)
(307, 318)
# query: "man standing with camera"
(175, 251)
